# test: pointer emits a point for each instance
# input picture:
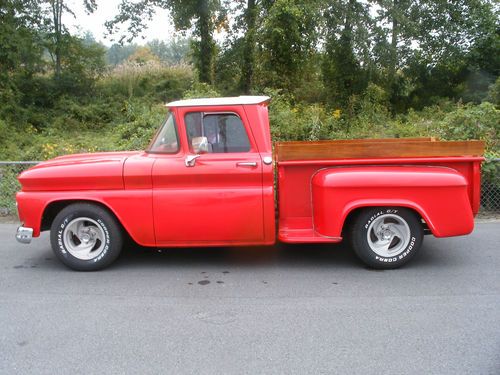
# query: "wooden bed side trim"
(287, 151)
(363, 140)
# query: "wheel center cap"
(85, 238)
(386, 234)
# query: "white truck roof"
(236, 100)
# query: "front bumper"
(24, 235)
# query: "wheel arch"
(54, 207)
(438, 194)
(352, 211)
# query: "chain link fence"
(9, 170)
(9, 186)
(490, 188)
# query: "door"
(211, 193)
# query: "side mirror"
(200, 145)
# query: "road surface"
(276, 310)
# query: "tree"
(143, 55)
(247, 70)
(437, 34)
(346, 31)
(396, 27)
(204, 15)
(21, 48)
(289, 36)
(57, 9)
(81, 64)
(19, 20)
(118, 53)
(236, 59)
(173, 53)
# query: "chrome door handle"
(246, 164)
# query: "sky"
(160, 27)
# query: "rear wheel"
(386, 237)
(86, 237)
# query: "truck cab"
(214, 184)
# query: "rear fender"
(438, 194)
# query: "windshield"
(166, 139)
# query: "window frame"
(153, 140)
(204, 113)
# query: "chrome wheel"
(84, 238)
(388, 235)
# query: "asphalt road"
(280, 310)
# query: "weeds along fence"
(9, 170)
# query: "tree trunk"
(394, 44)
(249, 48)
(57, 7)
(205, 58)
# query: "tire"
(386, 237)
(86, 237)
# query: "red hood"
(97, 171)
(97, 157)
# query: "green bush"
(471, 122)
(494, 93)
(152, 80)
(143, 121)
(127, 108)
(201, 90)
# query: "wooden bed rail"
(376, 148)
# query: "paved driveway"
(282, 310)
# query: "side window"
(223, 132)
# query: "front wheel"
(386, 237)
(86, 237)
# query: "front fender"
(438, 194)
(132, 208)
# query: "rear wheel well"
(351, 218)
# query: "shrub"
(201, 90)
(472, 122)
(151, 79)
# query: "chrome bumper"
(24, 235)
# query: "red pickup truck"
(209, 176)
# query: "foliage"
(288, 37)
(204, 15)
(473, 122)
(125, 110)
(329, 66)
(494, 93)
(201, 90)
(335, 69)
(346, 29)
(174, 52)
(150, 79)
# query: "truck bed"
(298, 163)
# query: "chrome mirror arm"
(190, 160)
